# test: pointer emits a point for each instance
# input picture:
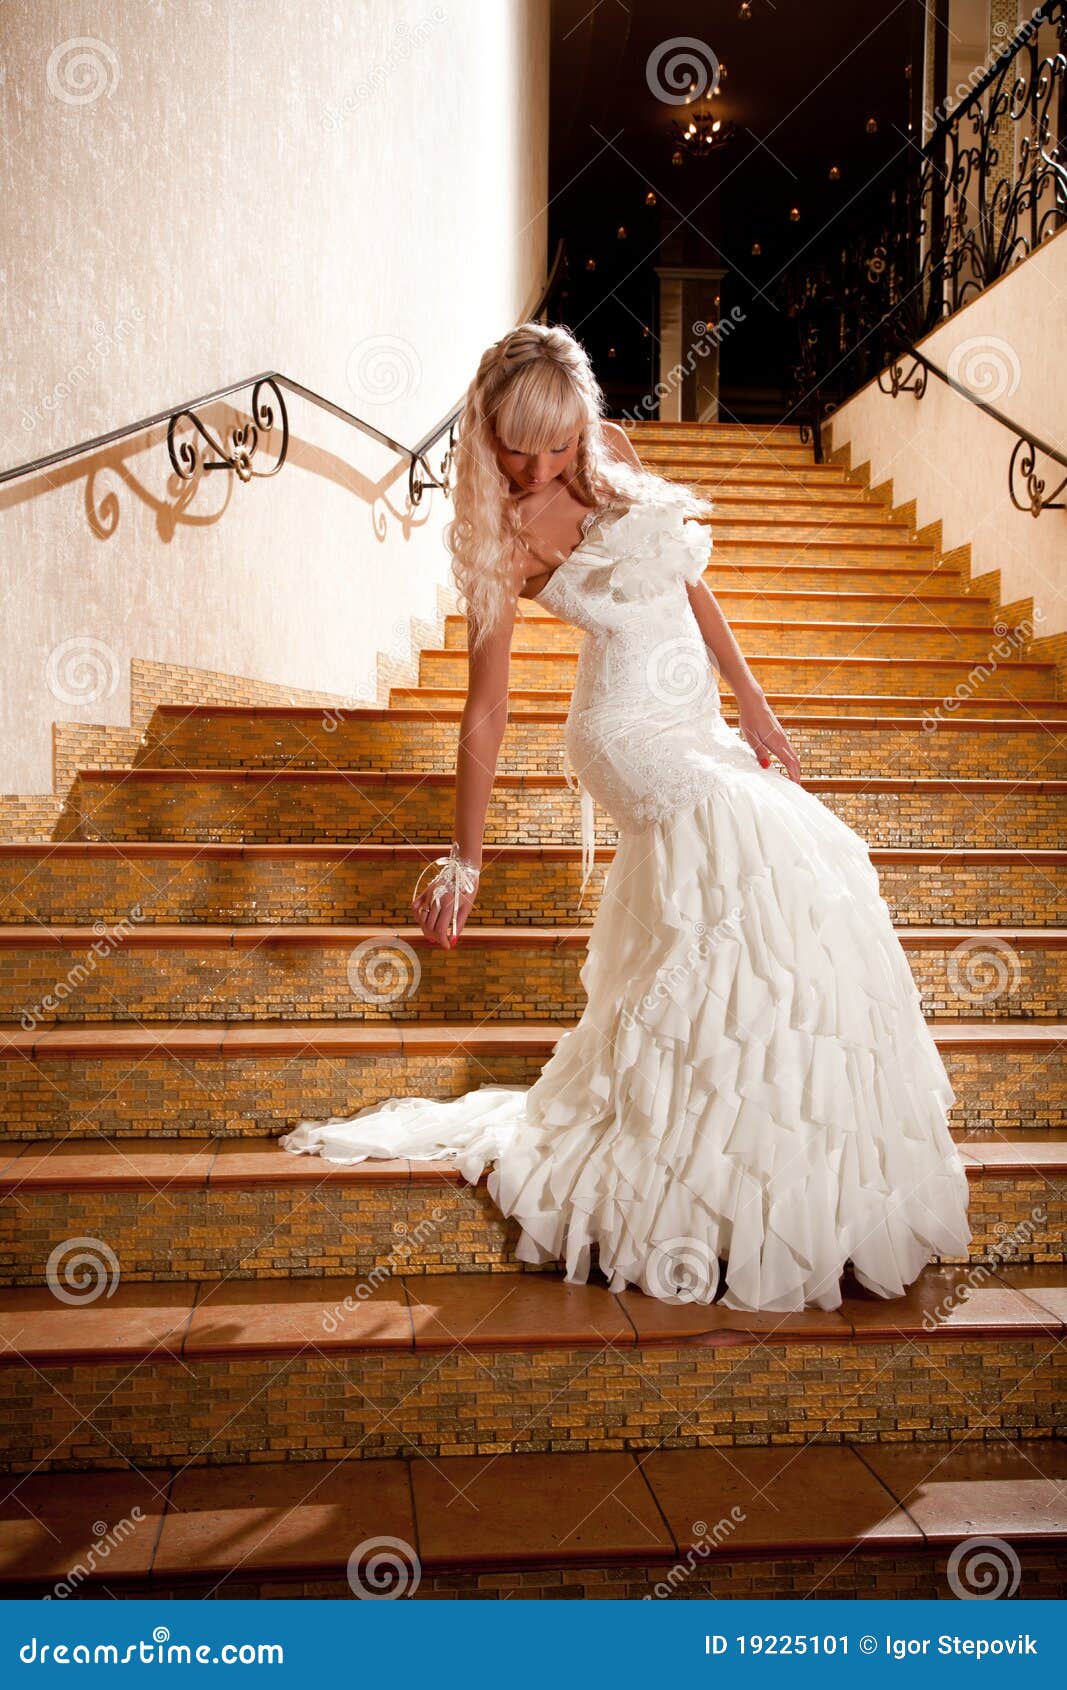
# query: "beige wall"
(1010, 347)
(353, 193)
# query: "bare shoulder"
(617, 440)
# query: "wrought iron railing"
(932, 232)
(1022, 466)
(237, 452)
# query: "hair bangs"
(540, 410)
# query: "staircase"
(246, 1370)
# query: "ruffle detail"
(752, 1083)
(649, 549)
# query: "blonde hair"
(532, 389)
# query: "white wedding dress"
(752, 1082)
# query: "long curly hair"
(534, 387)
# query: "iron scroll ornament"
(244, 438)
(420, 475)
(1022, 468)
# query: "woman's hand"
(764, 732)
(446, 903)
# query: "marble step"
(683, 1522)
(358, 1369)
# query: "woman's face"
(530, 470)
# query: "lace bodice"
(644, 735)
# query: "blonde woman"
(752, 1098)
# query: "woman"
(752, 1094)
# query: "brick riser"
(822, 1574)
(230, 1210)
(855, 667)
(870, 745)
(271, 806)
(368, 974)
(389, 1398)
(241, 1080)
(320, 884)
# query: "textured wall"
(944, 453)
(353, 193)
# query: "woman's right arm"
(481, 730)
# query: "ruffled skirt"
(752, 1097)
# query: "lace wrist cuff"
(456, 876)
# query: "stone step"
(220, 1370)
(246, 1208)
(386, 806)
(521, 885)
(229, 737)
(882, 554)
(540, 635)
(831, 526)
(654, 432)
(920, 708)
(930, 581)
(734, 454)
(197, 1080)
(852, 668)
(779, 602)
(148, 972)
(676, 1522)
(740, 499)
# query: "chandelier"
(701, 131)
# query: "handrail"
(1039, 16)
(1024, 438)
(245, 439)
(916, 245)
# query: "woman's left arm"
(755, 718)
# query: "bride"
(752, 1098)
